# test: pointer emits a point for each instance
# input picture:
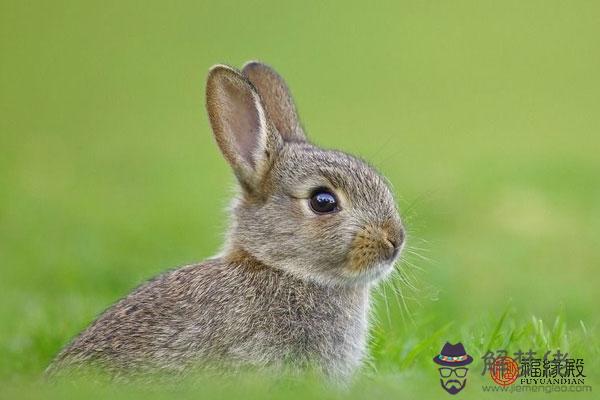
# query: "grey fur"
(291, 287)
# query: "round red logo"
(504, 371)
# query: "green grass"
(483, 115)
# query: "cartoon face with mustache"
(453, 380)
(453, 373)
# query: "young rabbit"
(312, 231)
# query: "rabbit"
(312, 231)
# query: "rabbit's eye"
(323, 201)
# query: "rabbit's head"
(321, 215)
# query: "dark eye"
(323, 201)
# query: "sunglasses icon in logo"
(459, 372)
(453, 372)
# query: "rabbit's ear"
(277, 100)
(240, 125)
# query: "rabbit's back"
(235, 312)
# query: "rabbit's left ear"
(240, 125)
(277, 100)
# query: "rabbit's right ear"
(277, 99)
(240, 126)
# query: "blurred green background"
(484, 116)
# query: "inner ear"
(241, 118)
(239, 124)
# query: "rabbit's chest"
(319, 328)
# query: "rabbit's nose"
(394, 238)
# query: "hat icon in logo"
(453, 355)
(453, 373)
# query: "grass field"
(483, 115)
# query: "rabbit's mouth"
(374, 251)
